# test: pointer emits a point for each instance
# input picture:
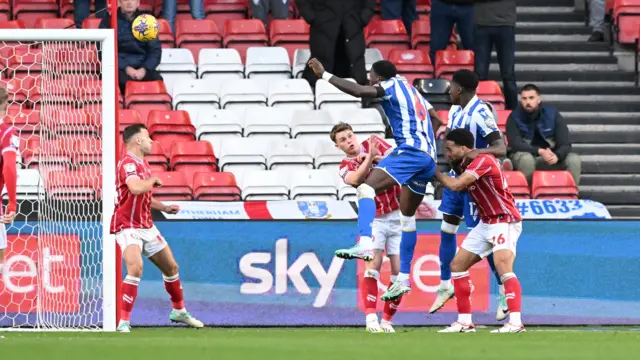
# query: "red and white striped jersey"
(386, 201)
(132, 211)
(490, 192)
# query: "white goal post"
(59, 269)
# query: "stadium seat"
(265, 185)
(191, 157)
(220, 186)
(222, 10)
(450, 61)
(30, 11)
(421, 35)
(291, 93)
(314, 185)
(169, 126)
(503, 115)
(165, 35)
(83, 150)
(242, 34)
(288, 154)
(218, 124)
(423, 7)
(242, 154)
(177, 66)
(346, 192)
(196, 95)
(69, 121)
(195, 35)
(412, 64)
(128, 117)
(175, 186)
(300, 59)
(54, 23)
(157, 158)
(11, 24)
(243, 93)
(289, 34)
(91, 23)
(267, 62)
(145, 96)
(371, 56)
(328, 96)
(436, 91)
(29, 186)
(25, 121)
(489, 91)
(311, 124)
(220, 64)
(5, 11)
(557, 184)
(25, 62)
(268, 122)
(626, 17)
(386, 35)
(73, 185)
(517, 184)
(327, 155)
(365, 122)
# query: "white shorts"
(150, 240)
(3, 237)
(387, 233)
(487, 238)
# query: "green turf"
(322, 344)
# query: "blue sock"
(447, 252)
(407, 246)
(492, 265)
(366, 209)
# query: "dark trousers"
(151, 75)
(504, 39)
(443, 17)
(404, 10)
(82, 10)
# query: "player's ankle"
(445, 284)
(515, 319)
(465, 319)
(372, 317)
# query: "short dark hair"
(339, 127)
(131, 131)
(467, 79)
(529, 87)
(461, 137)
(385, 69)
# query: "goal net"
(59, 266)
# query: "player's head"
(463, 82)
(4, 99)
(530, 98)
(344, 138)
(382, 70)
(136, 136)
(458, 142)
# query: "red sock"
(390, 308)
(462, 290)
(513, 292)
(174, 288)
(129, 293)
(370, 294)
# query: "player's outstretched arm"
(160, 206)
(344, 85)
(457, 185)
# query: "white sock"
(514, 319)
(403, 277)
(1, 264)
(464, 319)
(122, 322)
(445, 284)
(372, 317)
(365, 242)
(501, 289)
(180, 311)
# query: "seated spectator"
(539, 137)
(279, 9)
(170, 7)
(444, 15)
(136, 60)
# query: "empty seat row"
(555, 184)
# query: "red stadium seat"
(174, 186)
(503, 115)
(423, 6)
(289, 34)
(5, 10)
(517, 184)
(14, 24)
(386, 35)
(91, 23)
(83, 150)
(556, 184)
(48, 152)
(449, 61)
(219, 186)
(73, 185)
(17, 92)
(24, 62)
(25, 121)
(411, 64)
(158, 157)
(170, 126)
(30, 11)
(166, 35)
(145, 96)
(128, 117)
(69, 121)
(421, 34)
(242, 34)
(191, 157)
(47, 23)
(489, 91)
(196, 35)
(51, 91)
(626, 17)
(222, 10)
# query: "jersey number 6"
(421, 111)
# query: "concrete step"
(543, 57)
(561, 39)
(551, 13)
(568, 76)
(601, 118)
(611, 164)
(546, 3)
(552, 28)
(607, 149)
(560, 67)
(612, 106)
(605, 134)
(630, 212)
(610, 195)
(586, 88)
(559, 46)
(609, 180)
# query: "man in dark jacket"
(539, 137)
(136, 60)
(336, 36)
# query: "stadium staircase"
(598, 99)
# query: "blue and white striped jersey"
(476, 117)
(408, 114)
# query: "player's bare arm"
(160, 206)
(455, 184)
(436, 122)
(344, 85)
(138, 186)
(496, 147)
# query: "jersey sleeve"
(486, 123)
(383, 146)
(451, 115)
(346, 167)
(10, 141)
(129, 169)
(479, 167)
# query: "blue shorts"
(459, 204)
(409, 166)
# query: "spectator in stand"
(82, 10)
(279, 9)
(495, 22)
(136, 60)
(404, 10)
(336, 36)
(539, 137)
(596, 20)
(170, 7)
(444, 15)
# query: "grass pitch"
(323, 344)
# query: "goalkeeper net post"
(60, 265)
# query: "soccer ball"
(145, 28)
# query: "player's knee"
(448, 227)
(134, 268)
(408, 223)
(371, 273)
(365, 191)
(458, 265)
(171, 269)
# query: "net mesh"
(52, 273)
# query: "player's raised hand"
(172, 209)
(373, 146)
(8, 217)
(316, 66)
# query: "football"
(145, 28)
